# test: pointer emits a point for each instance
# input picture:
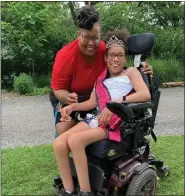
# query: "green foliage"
(169, 43)
(164, 19)
(39, 91)
(33, 32)
(170, 70)
(23, 84)
(42, 81)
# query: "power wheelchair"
(123, 168)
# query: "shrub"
(170, 70)
(23, 84)
(39, 91)
(42, 81)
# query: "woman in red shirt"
(78, 65)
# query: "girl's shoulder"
(129, 70)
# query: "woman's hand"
(65, 113)
(105, 117)
(147, 69)
(72, 98)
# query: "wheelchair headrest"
(140, 43)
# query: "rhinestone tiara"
(114, 41)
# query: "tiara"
(114, 41)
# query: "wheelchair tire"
(143, 184)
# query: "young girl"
(112, 85)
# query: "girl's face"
(115, 59)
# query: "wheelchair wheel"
(143, 184)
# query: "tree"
(73, 12)
(164, 14)
(32, 32)
(164, 19)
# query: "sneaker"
(64, 193)
(57, 185)
(85, 194)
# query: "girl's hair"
(87, 16)
(121, 34)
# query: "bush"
(23, 84)
(42, 81)
(39, 91)
(170, 70)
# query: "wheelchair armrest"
(138, 106)
(125, 111)
(120, 110)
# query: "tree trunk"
(73, 13)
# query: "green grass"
(171, 150)
(30, 170)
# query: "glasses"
(112, 56)
(87, 39)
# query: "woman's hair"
(87, 16)
(121, 34)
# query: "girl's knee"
(74, 142)
(60, 145)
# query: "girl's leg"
(62, 127)
(77, 143)
(61, 150)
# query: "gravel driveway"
(29, 120)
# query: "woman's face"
(115, 59)
(89, 40)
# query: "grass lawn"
(30, 170)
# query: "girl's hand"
(105, 117)
(65, 113)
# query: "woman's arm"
(62, 95)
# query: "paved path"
(29, 120)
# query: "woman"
(78, 65)
(114, 84)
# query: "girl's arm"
(142, 93)
(86, 105)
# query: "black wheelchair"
(123, 168)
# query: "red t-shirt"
(72, 73)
